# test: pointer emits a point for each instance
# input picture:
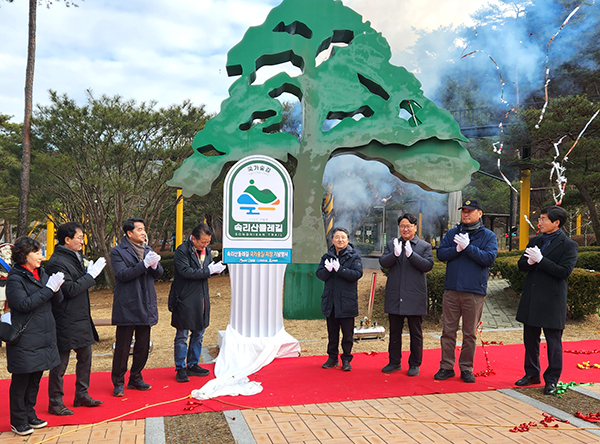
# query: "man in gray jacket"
(408, 259)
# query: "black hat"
(471, 204)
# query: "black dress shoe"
(550, 388)
(391, 368)
(59, 410)
(528, 380)
(139, 385)
(86, 401)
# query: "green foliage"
(509, 270)
(10, 153)
(108, 160)
(435, 290)
(493, 194)
(168, 265)
(588, 260)
(564, 121)
(583, 294)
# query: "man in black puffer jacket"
(340, 268)
(74, 326)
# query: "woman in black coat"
(30, 294)
(340, 268)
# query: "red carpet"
(303, 381)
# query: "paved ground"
(475, 417)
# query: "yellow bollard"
(525, 208)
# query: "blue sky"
(167, 50)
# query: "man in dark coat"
(470, 250)
(548, 260)
(408, 259)
(74, 326)
(189, 301)
(340, 268)
(134, 309)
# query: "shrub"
(168, 264)
(590, 260)
(583, 293)
(435, 290)
(508, 268)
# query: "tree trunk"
(591, 207)
(23, 224)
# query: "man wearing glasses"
(470, 250)
(74, 326)
(548, 260)
(408, 259)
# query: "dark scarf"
(470, 228)
(549, 237)
(138, 248)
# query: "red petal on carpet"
(301, 381)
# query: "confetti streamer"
(498, 146)
(506, 178)
(502, 82)
(529, 222)
(559, 168)
(537, 126)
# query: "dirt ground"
(312, 334)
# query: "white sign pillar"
(257, 246)
(257, 299)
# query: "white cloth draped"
(240, 357)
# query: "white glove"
(533, 255)
(216, 267)
(328, 265)
(397, 247)
(408, 248)
(462, 241)
(95, 268)
(151, 259)
(55, 281)
(335, 264)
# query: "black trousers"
(24, 388)
(334, 325)
(141, 349)
(83, 369)
(531, 339)
(416, 339)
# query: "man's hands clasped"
(332, 264)
(462, 241)
(533, 255)
(151, 259)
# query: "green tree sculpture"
(357, 80)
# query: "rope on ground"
(424, 421)
(113, 419)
